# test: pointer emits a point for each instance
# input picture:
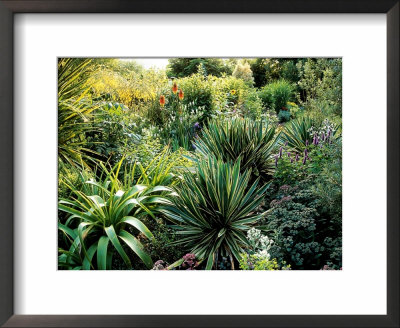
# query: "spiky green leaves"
(106, 219)
(249, 141)
(215, 208)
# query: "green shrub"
(214, 210)
(240, 139)
(243, 71)
(290, 71)
(284, 116)
(252, 105)
(303, 237)
(320, 85)
(295, 110)
(113, 131)
(181, 67)
(272, 67)
(198, 94)
(310, 201)
(277, 94)
(228, 93)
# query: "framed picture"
(254, 144)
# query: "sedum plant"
(106, 216)
(214, 209)
(251, 142)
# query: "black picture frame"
(7, 10)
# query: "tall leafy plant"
(214, 210)
(103, 217)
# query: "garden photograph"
(199, 164)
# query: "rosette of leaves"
(214, 209)
(103, 220)
(251, 142)
(297, 133)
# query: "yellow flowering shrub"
(131, 90)
(227, 90)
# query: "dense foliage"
(207, 164)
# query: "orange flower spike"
(162, 100)
(181, 94)
(174, 88)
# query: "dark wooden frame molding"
(10, 7)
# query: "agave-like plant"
(106, 217)
(297, 133)
(214, 209)
(251, 142)
(75, 111)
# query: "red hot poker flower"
(174, 88)
(162, 100)
(181, 94)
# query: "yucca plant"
(251, 142)
(106, 216)
(75, 111)
(299, 133)
(214, 209)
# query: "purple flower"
(196, 125)
(307, 142)
(323, 136)
(304, 160)
(305, 152)
(315, 140)
(280, 152)
(288, 154)
(276, 160)
(297, 157)
(329, 133)
(189, 257)
(291, 160)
